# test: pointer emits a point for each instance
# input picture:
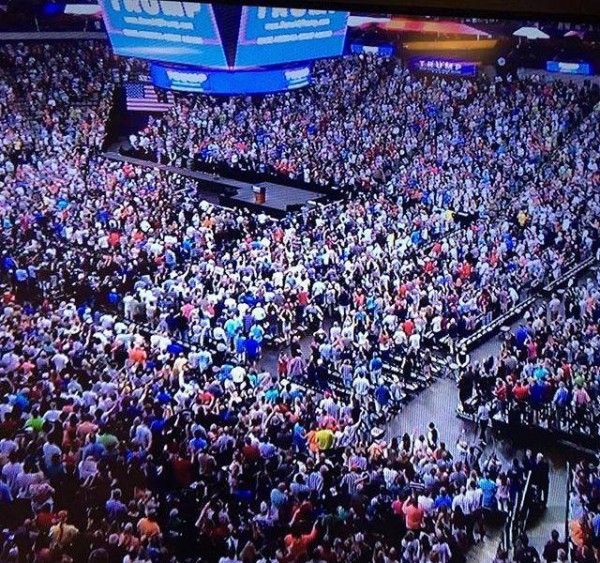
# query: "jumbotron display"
(280, 35)
(222, 36)
(177, 32)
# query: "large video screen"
(176, 32)
(279, 35)
(222, 36)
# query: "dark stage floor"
(278, 198)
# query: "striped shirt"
(315, 481)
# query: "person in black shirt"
(526, 553)
(550, 553)
(465, 388)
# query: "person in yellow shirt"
(324, 439)
(62, 534)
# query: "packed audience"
(584, 512)
(367, 120)
(547, 373)
(115, 446)
(136, 409)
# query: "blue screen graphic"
(230, 82)
(382, 50)
(569, 68)
(164, 30)
(279, 35)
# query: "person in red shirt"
(521, 391)
(297, 544)
(250, 452)
(501, 393)
(45, 518)
(182, 469)
(413, 514)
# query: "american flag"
(145, 97)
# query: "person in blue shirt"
(272, 394)
(596, 529)
(252, 350)
(198, 443)
(115, 508)
(257, 332)
(6, 497)
(163, 396)
(157, 425)
(375, 365)
(540, 372)
(240, 347)
(93, 449)
(560, 401)
(232, 327)
(488, 488)
(21, 275)
(113, 297)
(382, 396)
(8, 263)
(521, 336)
(249, 299)
(299, 438)
(537, 392)
(443, 499)
(247, 321)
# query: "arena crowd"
(136, 410)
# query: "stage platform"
(279, 199)
(229, 192)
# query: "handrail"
(525, 491)
(516, 520)
(573, 425)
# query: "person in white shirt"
(473, 498)
(426, 502)
(361, 386)
(460, 501)
(415, 341)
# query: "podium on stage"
(260, 194)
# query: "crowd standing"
(136, 411)
(546, 373)
(584, 512)
(116, 448)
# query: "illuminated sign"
(445, 66)
(230, 82)
(569, 68)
